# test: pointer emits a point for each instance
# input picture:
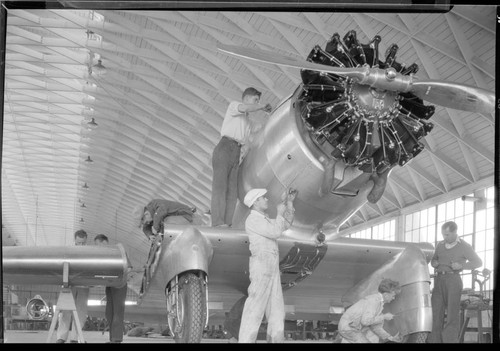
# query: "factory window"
(383, 231)
(485, 234)
(421, 226)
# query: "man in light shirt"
(226, 155)
(451, 256)
(363, 322)
(265, 293)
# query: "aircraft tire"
(192, 309)
(416, 338)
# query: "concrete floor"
(95, 337)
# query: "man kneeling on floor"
(363, 322)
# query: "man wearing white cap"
(265, 294)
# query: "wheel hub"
(175, 311)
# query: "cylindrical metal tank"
(88, 265)
(284, 155)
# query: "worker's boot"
(380, 182)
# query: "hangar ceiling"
(160, 102)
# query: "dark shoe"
(60, 341)
(73, 342)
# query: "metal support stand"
(483, 333)
(474, 309)
(66, 302)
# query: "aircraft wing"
(314, 278)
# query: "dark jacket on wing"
(160, 209)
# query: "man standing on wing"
(234, 132)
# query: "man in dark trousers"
(151, 217)
(226, 155)
(451, 256)
(115, 303)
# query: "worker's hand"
(268, 108)
(288, 196)
(130, 273)
(456, 266)
(388, 316)
(153, 229)
(284, 195)
(280, 209)
(395, 338)
(434, 263)
(291, 194)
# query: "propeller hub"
(373, 104)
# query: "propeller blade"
(278, 59)
(447, 94)
(456, 96)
